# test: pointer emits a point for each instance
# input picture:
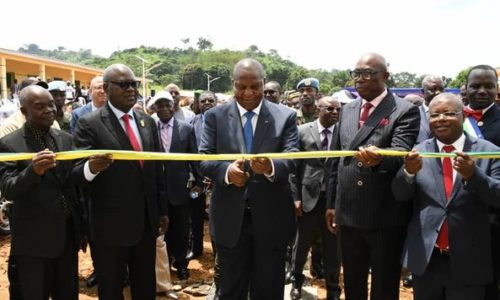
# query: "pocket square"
(384, 122)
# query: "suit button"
(360, 183)
(360, 164)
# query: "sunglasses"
(126, 84)
(207, 101)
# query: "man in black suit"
(127, 198)
(206, 100)
(252, 212)
(448, 242)
(483, 122)
(431, 87)
(372, 223)
(177, 137)
(45, 220)
(308, 188)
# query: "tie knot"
(448, 148)
(126, 117)
(476, 114)
(249, 115)
(367, 105)
(326, 131)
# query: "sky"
(438, 37)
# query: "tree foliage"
(188, 66)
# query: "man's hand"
(236, 173)
(330, 220)
(464, 165)
(99, 162)
(261, 165)
(298, 208)
(43, 161)
(413, 162)
(368, 156)
(196, 189)
(163, 225)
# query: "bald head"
(38, 106)
(248, 64)
(448, 98)
(376, 60)
(328, 100)
(110, 71)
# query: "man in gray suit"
(372, 223)
(251, 214)
(431, 87)
(448, 243)
(308, 189)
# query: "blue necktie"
(248, 131)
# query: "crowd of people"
(370, 213)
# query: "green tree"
(204, 44)
(222, 84)
(193, 77)
(460, 79)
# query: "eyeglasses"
(329, 108)
(365, 74)
(126, 84)
(270, 92)
(207, 101)
(446, 115)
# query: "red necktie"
(131, 136)
(365, 114)
(442, 240)
(476, 114)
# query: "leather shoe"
(183, 274)
(332, 297)
(192, 255)
(317, 274)
(92, 280)
(408, 281)
(296, 293)
(171, 295)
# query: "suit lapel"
(175, 137)
(143, 132)
(437, 172)
(313, 129)
(263, 121)
(350, 120)
(235, 128)
(113, 124)
(383, 110)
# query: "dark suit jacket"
(38, 222)
(424, 132)
(466, 212)
(312, 173)
(362, 196)
(197, 123)
(77, 113)
(124, 194)
(177, 172)
(271, 203)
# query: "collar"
(375, 102)
(93, 107)
(426, 108)
(119, 114)
(170, 123)
(458, 144)
(484, 110)
(256, 110)
(321, 128)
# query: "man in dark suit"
(483, 122)
(448, 244)
(251, 213)
(45, 220)
(308, 188)
(126, 197)
(177, 137)
(206, 100)
(372, 223)
(98, 95)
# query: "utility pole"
(209, 81)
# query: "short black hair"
(481, 67)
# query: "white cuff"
(89, 176)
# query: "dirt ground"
(201, 271)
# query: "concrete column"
(41, 72)
(72, 76)
(3, 77)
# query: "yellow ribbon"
(132, 155)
